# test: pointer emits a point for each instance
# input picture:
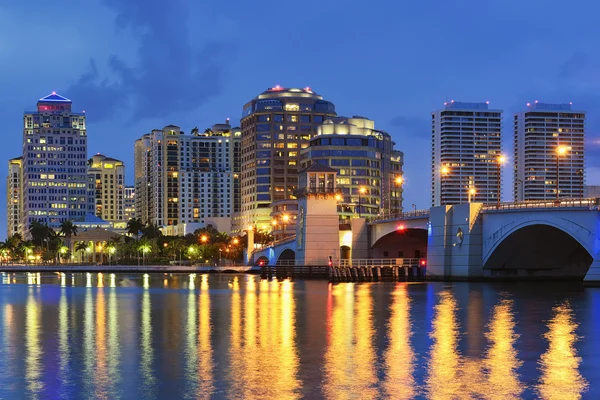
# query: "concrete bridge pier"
(593, 274)
(454, 244)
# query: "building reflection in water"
(264, 359)
(501, 362)
(205, 351)
(33, 348)
(399, 357)
(350, 358)
(559, 365)
(63, 342)
(444, 378)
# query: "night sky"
(137, 65)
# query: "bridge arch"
(546, 247)
(401, 243)
(287, 255)
(262, 259)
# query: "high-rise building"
(129, 203)
(548, 152)
(466, 154)
(276, 125)
(55, 180)
(14, 197)
(369, 170)
(183, 179)
(108, 176)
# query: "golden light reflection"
(399, 357)
(63, 279)
(205, 351)
(114, 350)
(33, 347)
(146, 283)
(501, 362)
(72, 279)
(100, 279)
(443, 380)
(112, 281)
(559, 365)
(192, 282)
(264, 360)
(63, 338)
(89, 348)
(350, 357)
(101, 378)
(88, 280)
(147, 350)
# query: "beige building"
(129, 203)
(186, 178)
(108, 175)
(14, 197)
(276, 125)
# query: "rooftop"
(54, 97)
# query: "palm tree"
(145, 247)
(82, 247)
(39, 232)
(134, 226)
(195, 131)
(208, 131)
(25, 248)
(67, 229)
(151, 231)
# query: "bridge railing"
(397, 216)
(562, 203)
(286, 239)
(366, 262)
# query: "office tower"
(369, 170)
(14, 197)
(186, 178)
(108, 176)
(276, 125)
(129, 203)
(466, 160)
(55, 181)
(548, 152)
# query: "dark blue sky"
(135, 65)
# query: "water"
(139, 336)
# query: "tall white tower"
(465, 154)
(549, 157)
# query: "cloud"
(170, 75)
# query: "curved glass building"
(369, 175)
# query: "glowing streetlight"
(338, 197)
(472, 193)
(500, 161)
(204, 238)
(361, 190)
(285, 218)
(560, 151)
(236, 241)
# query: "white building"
(55, 181)
(548, 152)
(181, 179)
(14, 198)
(129, 203)
(465, 154)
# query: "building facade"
(14, 197)
(108, 176)
(549, 157)
(186, 178)
(55, 180)
(276, 125)
(466, 154)
(129, 203)
(369, 169)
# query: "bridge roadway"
(525, 240)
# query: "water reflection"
(205, 352)
(559, 365)
(399, 358)
(501, 362)
(33, 349)
(63, 342)
(264, 359)
(349, 359)
(146, 349)
(444, 378)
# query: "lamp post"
(285, 218)
(560, 151)
(361, 190)
(500, 161)
(398, 181)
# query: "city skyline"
(399, 95)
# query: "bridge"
(534, 240)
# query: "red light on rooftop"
(277, 88)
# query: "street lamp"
(204, 239)
(560, 151)
(285, 218)
(500, 161)
(361, 190)
(399, 181)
